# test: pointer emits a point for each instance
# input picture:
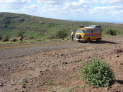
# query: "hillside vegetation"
(32, 27)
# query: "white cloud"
(13, 1)
(59, 8)
(108, 1)
(110, 10)
(31, 6)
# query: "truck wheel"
(78, 36)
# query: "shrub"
(62, 34)
(112, 32)
(0, 37)
(31, 37)
(20, 34)
(97, 73)
(13, 39)
(5, 38)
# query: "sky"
(76, 10)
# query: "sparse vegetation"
(97, 73)
(0, 37)
(31, 27)
(13, 40)
(20, 34)
(5, 38)
(62, 34)
(112, 32)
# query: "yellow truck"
(88, 33)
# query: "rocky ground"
(54, 66)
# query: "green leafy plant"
(62, 34)
(97, 73)
(112, 32)
(20, 34)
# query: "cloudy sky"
(81, 10)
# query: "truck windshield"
(80, 31)
(87, 31)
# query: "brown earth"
(54, 66)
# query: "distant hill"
(32, 27)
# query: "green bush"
(0, 37)
(62, 34)
(112, 32)
(20, 34)
(5, 38)
(97, 73)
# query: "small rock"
(1, 84)
(108, 88)
(116, 55)
(65, 63)
(121, 63)
(23, 86)
(62, 54)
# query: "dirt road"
(54, 66)
(13, 51)
(30, 49)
